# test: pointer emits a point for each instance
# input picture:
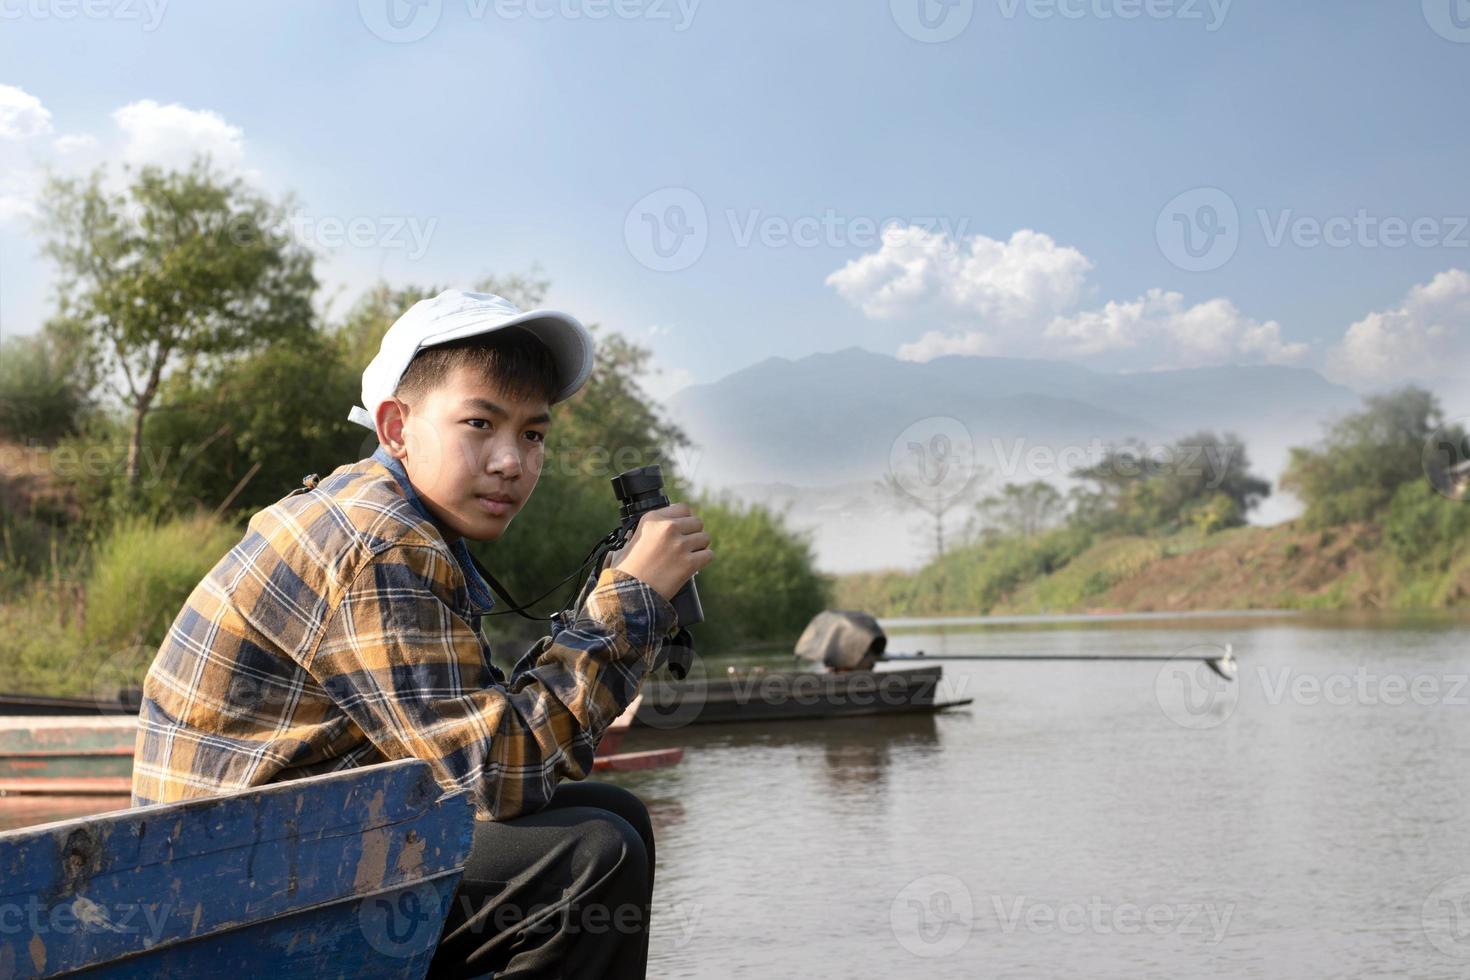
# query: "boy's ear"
(390, 419)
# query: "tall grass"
(89, 631)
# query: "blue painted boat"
(344, 875)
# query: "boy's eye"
(473, 421)
(537, 436)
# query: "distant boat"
(792, 695)
(849, 644)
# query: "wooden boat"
(764, 696)
(65, 755)
(344, 875)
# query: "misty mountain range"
(815, 434)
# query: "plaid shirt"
(343, 631)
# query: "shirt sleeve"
(409, 671)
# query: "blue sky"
(1043, 165)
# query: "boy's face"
(472, 453)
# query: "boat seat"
(349, 874)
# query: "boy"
(343, 630)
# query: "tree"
(1138, 490)
(1021, 509)
(1363, 458)
(42, 394)
(181, 266)
(933, 490)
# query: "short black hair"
(512, 361)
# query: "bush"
(763, 586)
(39, 398)
(144, 572)
(1426, 531)
(1364, 458)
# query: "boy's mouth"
(497, 505)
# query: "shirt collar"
(479, 590)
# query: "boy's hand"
(668, 547)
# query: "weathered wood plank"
(344, 874)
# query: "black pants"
(564, 892)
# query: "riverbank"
(1282, 567)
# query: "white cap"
(454, 315)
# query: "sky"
(1130, 184)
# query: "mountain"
(814, 434)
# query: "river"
(1123, 819)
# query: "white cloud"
(929, 273)
(172, 135)
(1024, 297)
(22, 116)
(1427, 336)
(1161, 322)
(73, 143)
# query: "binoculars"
(640, 491)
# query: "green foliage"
(1215, 514)
(971, 579)
(1363, 458)
(143, 573)
(1139, 491)
(1426, 531)
(40, 397)
(181, 266)
(762, 586)
(1020, 509)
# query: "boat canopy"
(842, 640)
